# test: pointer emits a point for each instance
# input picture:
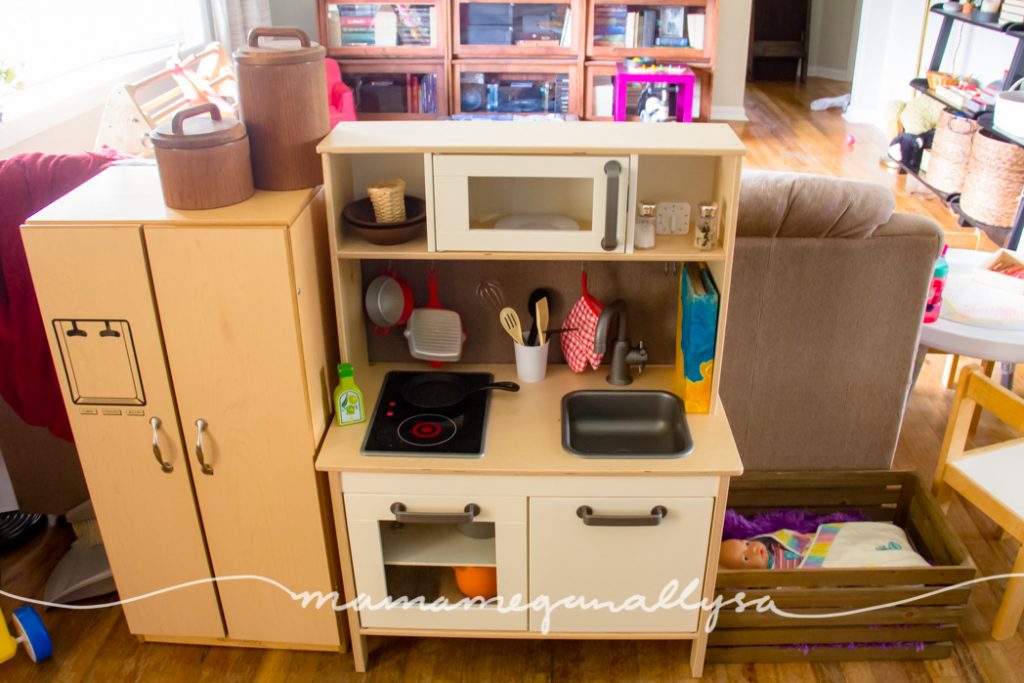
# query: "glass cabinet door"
(662, 29)
(530, 88)
(388, 90)
(520, 28)
(362, 29)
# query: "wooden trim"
(228, 642)
(357, 637)
(524, 635)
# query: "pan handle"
(499, 386)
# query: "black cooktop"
(398, 428)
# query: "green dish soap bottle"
(348, 399)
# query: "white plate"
(536, 221)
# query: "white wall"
(294, 13)
(832, 45)
(731, 60)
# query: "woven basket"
(951, 150)
(995, 177)
(388, 198)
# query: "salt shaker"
(705, 229)
(643, 237)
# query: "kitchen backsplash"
(650, 291)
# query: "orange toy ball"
(477, 582)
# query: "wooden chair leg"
(952, 361)
(988, 367)
(1012, 606)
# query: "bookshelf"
(433, 58)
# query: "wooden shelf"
(667, 248)
(434, 545)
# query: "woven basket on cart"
(951, 150)
(388, 199)
(995, 177)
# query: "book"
(699, 313)
(673, 23)
(565, 40)
(649, 27)
(631, 29)
(695, 29)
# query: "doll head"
(739, 554)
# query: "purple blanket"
(738, 526)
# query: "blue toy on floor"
(31, 633)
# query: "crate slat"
(836, 634)
(826, 654)
(849, 598)
(890, 576)
(892, 615)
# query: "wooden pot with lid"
(203, 160)
(282, 96)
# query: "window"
(60, 50)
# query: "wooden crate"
(924, 629)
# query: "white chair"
(990, 478)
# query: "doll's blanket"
(786, 548)
(861, 544)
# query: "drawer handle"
(201, 425)
(611, 206)
(469, 512)
(164, 465)
(586, 513)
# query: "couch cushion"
(774, 204)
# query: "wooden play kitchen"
(540, 520)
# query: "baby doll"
(783, 549)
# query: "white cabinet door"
(610, 549)
(418, 556)
(530, 203)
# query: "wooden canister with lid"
(203, 161)
(282, 96)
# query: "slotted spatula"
(510, 322)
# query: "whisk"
(491, 294)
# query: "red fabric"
(340, 102)
(28, 382)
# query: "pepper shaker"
(705, 229)
(643, 237)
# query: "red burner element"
(426, 430)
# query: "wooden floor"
(782, 134)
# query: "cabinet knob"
(164, 465)
(586, 513)
(201, 425)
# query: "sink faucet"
(622, 355)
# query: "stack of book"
(1012, 12)
(356, 24)
(610, 25)
(421, 94)
(416, 24)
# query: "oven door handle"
(401, 515)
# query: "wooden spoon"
(510, 322)
(542, 319)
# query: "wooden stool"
(990, 478)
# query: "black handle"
(611, 206)
(586, 513)
(499, 386)
(469, 512)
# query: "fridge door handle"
(612, 171)
(201, 426)
(164, 465)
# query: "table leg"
(1008, 371)
(988, 367)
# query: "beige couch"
(827, 296)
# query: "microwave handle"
(612, 171)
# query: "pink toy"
(340, 102)
(681, 76)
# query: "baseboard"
(719, 113)
(830, 74)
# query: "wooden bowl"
(388, 235)
(360, 213)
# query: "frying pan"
(435, 390)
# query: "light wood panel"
(260, 506)
(148, 519)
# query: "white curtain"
(232, 20)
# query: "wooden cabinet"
(396, 89)
(220, 317)
(477, 49)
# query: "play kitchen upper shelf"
(501, 190)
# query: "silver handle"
(465, 517)
(586, 513)
(201, 425)
(611, 206)
(164, 465)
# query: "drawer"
(625, 550)
(411, 545)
